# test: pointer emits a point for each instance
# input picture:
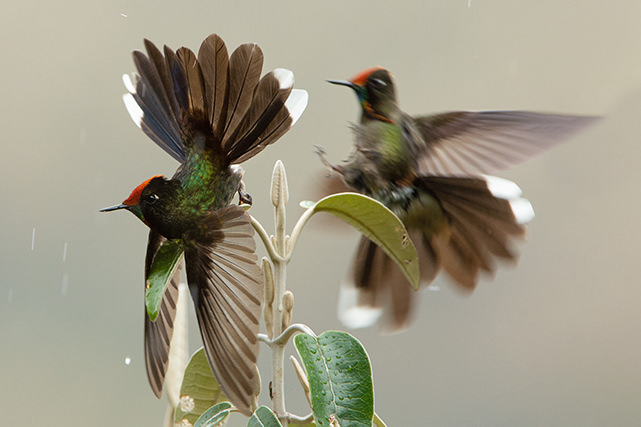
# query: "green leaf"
(340, 378)
(162, 269)
(377, 223)
(199, 389)
(263, 417)
(214, 416)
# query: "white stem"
(280, 195)
(298, 228)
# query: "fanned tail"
(226, 285)
(377, 288)
(484, 215)
(178, 97)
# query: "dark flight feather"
(214, 64)
(245, 65)
(471, 143)
(196, 101)
(226, 285)
(158, 333)
(269, 100)
(481, 226)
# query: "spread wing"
(226, 285)
(158, 333)
(471, 143)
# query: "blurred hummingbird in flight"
(210, 111)
(430, 171)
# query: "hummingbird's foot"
(320, 150)
(244, 198)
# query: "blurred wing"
(159, 332)
(471, 143)
(226, 285)
(485, 215)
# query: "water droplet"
(64, 252)
(127, 360)
(187, 403)
(33, 238)
(123, 15)
(65, 284)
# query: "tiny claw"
(320, 150)
(244, 198)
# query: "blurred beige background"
(554, 342)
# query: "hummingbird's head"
(375, 90)
(146, 200)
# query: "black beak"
(114, 208)
(343, 83)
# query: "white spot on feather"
(296, 104)
(502, 188)
(352, 315)
(284, 77)
(129, 85)
(133, 108)
(522, 210)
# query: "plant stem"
(280, 196)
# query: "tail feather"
(483, 222)
(213, 57)
(245, 65)
(176, 96)
(484, 216)
(377, 287)
(269, 101)
(188, 69)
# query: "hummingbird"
(210, 111)
(431, 172)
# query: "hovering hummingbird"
(209, 111)
(430, 172)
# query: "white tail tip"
(502, 188)
(522, 209)
(133, 108)
(352, 315)
(296, 104)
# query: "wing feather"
(226, 284)
(472, 143)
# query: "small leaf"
(377, 223)
(162, 269)
(199, 389)
(263, 417)
(340, 378)
(214, 416)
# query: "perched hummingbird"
(210, 112)
(430, 172)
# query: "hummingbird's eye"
(151, 199)
(379, 83)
